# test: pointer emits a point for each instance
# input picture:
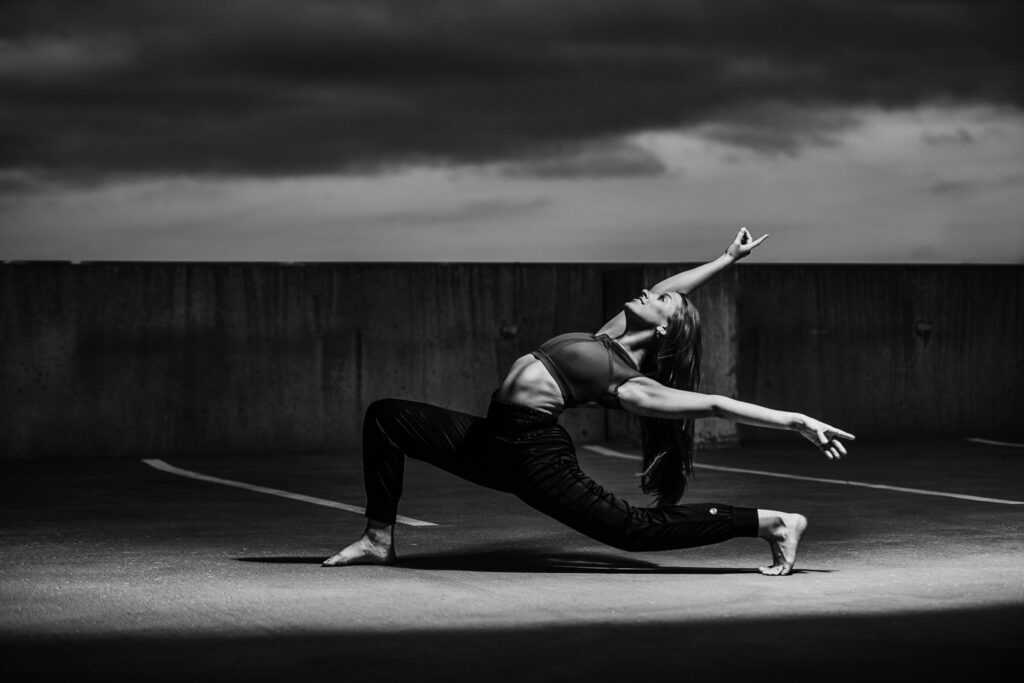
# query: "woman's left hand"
(743, 244)
(824, 436)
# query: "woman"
(646, 360)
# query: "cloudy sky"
(518, 130)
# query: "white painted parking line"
(164, 467)
(924, 492)
(991, 442)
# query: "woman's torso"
(569, 370)
(530, 384)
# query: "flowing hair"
(668, 444)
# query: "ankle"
(769, 523)
(379, 533)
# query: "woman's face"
(652, 310)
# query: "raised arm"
(689, 280)
(647, 398)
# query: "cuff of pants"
(745, 522)
(382, 513)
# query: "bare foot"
(363, 551)
(782, 531)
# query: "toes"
(775, 570)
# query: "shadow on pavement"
(540, 562)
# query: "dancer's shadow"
(532, 561)
(548, 562)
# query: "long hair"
(668, 444)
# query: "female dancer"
(645, 360)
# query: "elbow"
(717, 407)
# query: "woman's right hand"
(824, 436)
(743, 244)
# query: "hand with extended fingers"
(743, 244)
(825, 437)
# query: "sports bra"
(588, 367)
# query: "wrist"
(797, 421)
(729, 256)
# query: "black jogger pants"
(525, 452)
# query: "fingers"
(833, 432)
(832, 448)
(747, 241)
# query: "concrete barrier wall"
(132, 359)
(108, 359)
(883, 351)
(886, 350)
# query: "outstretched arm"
(647, 398)
(690, 280)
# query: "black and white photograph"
(502, 341)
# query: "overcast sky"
(519, 130)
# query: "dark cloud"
(271, 87)
(776, 128)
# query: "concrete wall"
(886, 350)
(109, 359)
(883, 351)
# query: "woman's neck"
(637, 343)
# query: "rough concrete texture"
(123, 359)
(113, 570)
(887, 350)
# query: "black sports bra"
(588, 368)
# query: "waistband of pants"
(515, 417)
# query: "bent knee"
(379, 414)
(382, 405)
(383, 408)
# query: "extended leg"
(561, 490)
(553, 483)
